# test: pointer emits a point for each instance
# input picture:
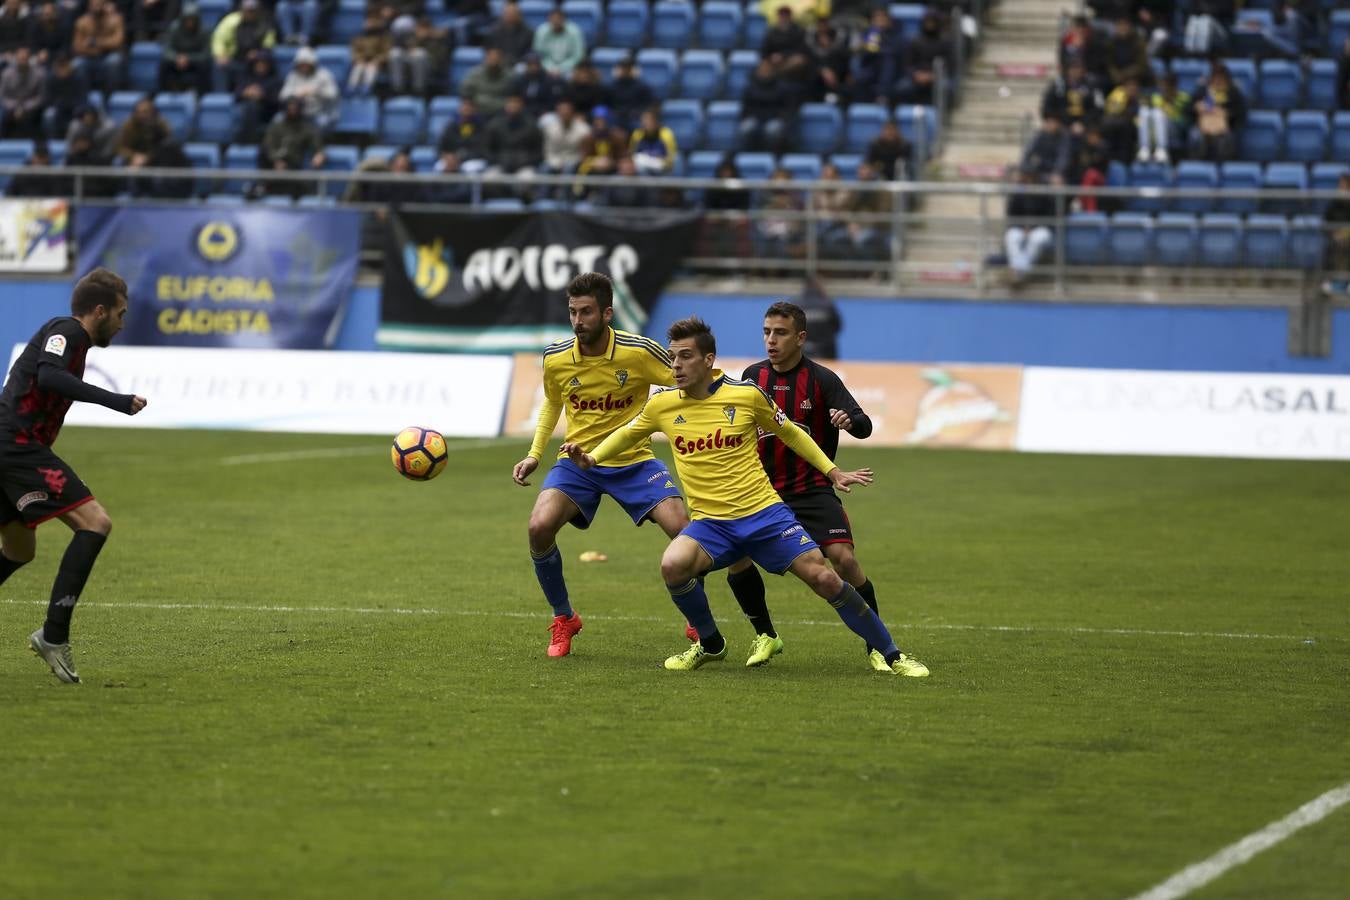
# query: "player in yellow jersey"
(713, 423)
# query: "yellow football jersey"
(715, 445)
(600, 393)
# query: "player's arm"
(845, 413)
(53, 374)
(773, 420)
(543, 430)
(620, 439)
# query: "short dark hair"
(99, 288)
(593, 284)
(696, 328)
(788, 311)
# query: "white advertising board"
(1275, 416)
(299, 390)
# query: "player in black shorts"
(35, 483)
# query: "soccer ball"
(419, 453)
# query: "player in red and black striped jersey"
(35, 483)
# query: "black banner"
(494, 282)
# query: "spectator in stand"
(370, 53)
(14, 22)
(768, 111)
(97, 43)
(1127, 56)
(1048, 154)
(488, 84)
(1155, 23)
(586, 89)
(291, 143)
(459, 193)
(778, 228)
(565, 134)
(889, 153)
(1290, 34)
(48, 35)
(725, 232)
(1206, 32)
(514, 143)
(97, 131)
(81, 153)
(168, 155)
(465, 139)
(315, 88)
(1164, 121)
(830, 60)
(920, 62)
(1119, 125)
(1073, 99)
(1082, 44)
(297, 20)
(67, 92)
(606, 145)
(258, 92)
(875, 60)
(1219, 111)
(143, 134)
(30, 184)
(866, 233)
(469, 24)
(186, 61)
(23, 87)
(831, 207)
(652, 145)
(1030, 233)
(541, 90)
(629, 95)
(1089, 166)
(151, 18)
(419, 48)
(511, 35)
(237, 36)
(1338, 238)
(559, 43)
(630, 195)
(785, 46)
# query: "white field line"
(517, 614)
(337, 453)
(1230, 857)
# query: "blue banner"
(226, 276)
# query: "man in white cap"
(315, 88)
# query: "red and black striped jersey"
(806, 392)
(30, 413)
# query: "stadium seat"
(1262, 137)
(14, 152)
(1339, 31)
(547, 204)
(143, 67)
(755, 166)
(1131, 238)
(179, 110)
(703, 163)
(1220, 240)
(504, 204)
(803, 166)
(1195, 174)
(606, 58)
(203, 156)
(1149, 175)
(1243, 176)
(1085, 239)
(658, 70)
(535, 12)
(337, 59)
(847, 164)
(722, 128)
(626, 24)
(1305, 135)
(224, 199)
(1247, 37)
(586, 15)
(685, 120)
(1286, 176)
(217, 118)
(440, 112)
(1326, 177)
(1265, 242)
(241, 157)
(283, 57)
(1340, 135)
(462, 60)
(313, 200)
(212, 11)
(919, 125)
(819, 127)
(1174, 240)
(57, 149)
(382, 152)
(907, 17)
(1189, 72)
(348, 20)
(719, 25)
(402, 120)
(862, 125)
(755, 28)
(1281, 84)
(701, 74)
(672, 24)
(1244, 76)
(740, 65)
(358, 115)
(1307, 243)
(1321, 92)
(338, 158)
(120, 104)
(424, 159)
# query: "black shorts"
(822, 514)
(36, 484)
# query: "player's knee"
(542, 532)
(826, 582)
(674, 570)
(93, 517)
(21, 552)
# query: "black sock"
(8, 567)
(76, 565)
(748, 589)
(869, 595)
(713, 643)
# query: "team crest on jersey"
(29, 499)
(56, 345)
(730, 413)
(806, 406)
(575, 382)
(679, 420)
(622, 375)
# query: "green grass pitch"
(307, 677)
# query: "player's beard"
(591, 337)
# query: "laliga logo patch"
(622, 375)
(29, 499)
(56, 345)
(730, 413)
(429, 267)
(217, 241)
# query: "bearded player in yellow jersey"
(713, 423)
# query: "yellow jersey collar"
(610, 346)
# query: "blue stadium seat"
(347, 21)
(907, 17)
(1149, 175)
(626, 24)
(1131, 238)
(1307, 243)
(719, 25)
(338, 158)
(847, 164)
(1085, 239)
(1265, 242)
(672, 24)
(224, 199)
(241, 157)
(1339, 31)
(283, 57)
(1246, 37)
(1326, 177)
(424, 159)
(919, 125)
(212, 11)
(277, 200)
(1196, 174)
(1321, 84)
(504, 204)
(658, 66)
(685, 120)
(701, 74)
(1285, 176)
(1240, 176)
(358, 115)
(179, 110)
(14, 152)
(803, 166)
(316, 200)
(1340, 135)
(337, 59)
(862, 125)
(402, 120)
(535, 12)
(143, 66)
(382, 152)
(217, 118)
(1305, 135)
(1262, 137)
(722, 129)
(703, 163)
(755, 27)
(1281, 84)
(1174, 240)
(547, 204)
(57, 149)
(1189, 72)
(586, 15)
(120, 104)
(203, 156)
(740, 65)
(1220, 240)
(1244, 76)
(755, 166)
(820, 126)
(606, 58)
(440, 112)
(462, 60)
